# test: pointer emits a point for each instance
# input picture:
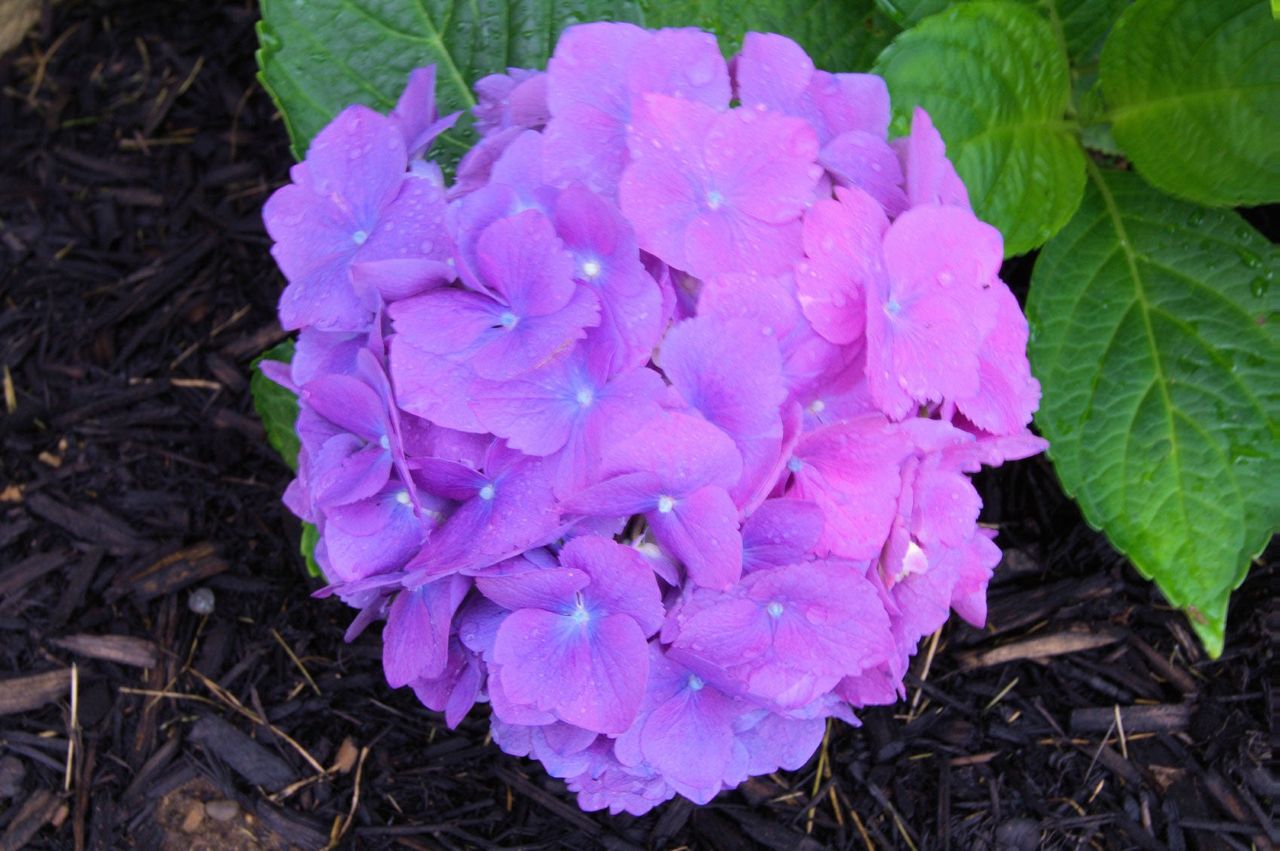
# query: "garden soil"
(136, 150)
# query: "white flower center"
(715, 200)
(359, 237)
(774, 609)
(591, 269)
(580, 614)
(665, 504)
(486, 492)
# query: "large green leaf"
(1155, 336)
(1082, 23)
(993, 77)
(908, 13)
(318, 56)
(276, 406)
(1193, 87)
(840, 35)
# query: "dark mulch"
(135, 152)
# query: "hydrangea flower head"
(653, 428)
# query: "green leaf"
(307, 546)
(1155, 337)
(840, 35)
(993, 77)
(1082, 23)
(319, 56)
(908, 13)
(276, 406)
(1194, 93)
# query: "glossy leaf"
(840, 35)
(1082, 23)
(908, 13)
(1193, 89)
(307, 547)
(994, 79)
(1155, 337)
(318, 56)
(276, 406)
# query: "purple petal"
(684, 63)
(621, 496)
(931, 179)
(782, 743)
(590, 103)
(348, 403)
(867, 162)
(347, 469)
(730, 374)
(599, 670)
(448, 479)
(1007, 393)
(701, 530)
(446, 321)
(432, 386)
(358, 160)
(606, 258)
(415, 641)
(683, 451)
(689, 739)
(412, 226)
(371, 537)
(842, 239)
(521, 259)
(400, 278)
(549, 589)
(780, 532)
(851, 470)
(621, 580)
(323, 298)
(774, 72)
(537, 412)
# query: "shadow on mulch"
(135, 153)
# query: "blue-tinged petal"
(589, 674)
(415, 640)
(621, 580)
(347, 469)
(701, 530)
(350, 404)
(621, 496)
(550, 589)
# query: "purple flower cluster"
(654, 429)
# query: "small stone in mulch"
(194, 817)
(1018, 834)
(222, 810)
